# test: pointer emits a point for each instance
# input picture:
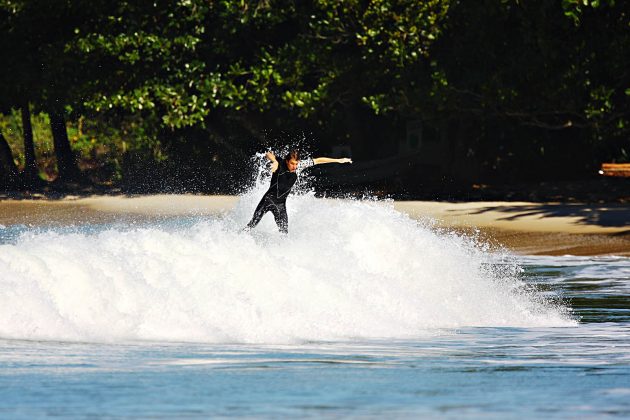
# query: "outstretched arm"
(272, 159)
(320, 160)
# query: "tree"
(197, 76)
(30, 164)
(184, 61)
(539, 85)
(8, 169)
(39, 71)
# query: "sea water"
(360, 311)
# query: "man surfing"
(283, 177)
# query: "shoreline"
(535, 228)
(523, 227)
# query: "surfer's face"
(292, 164)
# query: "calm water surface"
(581, 371)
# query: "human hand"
(270, 156)
(345, 160)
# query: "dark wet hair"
(293, 154)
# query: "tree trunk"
(30, 167)
(66, 160)
(8, 169)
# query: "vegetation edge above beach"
(178, 96)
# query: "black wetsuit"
(275, 198)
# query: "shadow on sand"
(607, 215)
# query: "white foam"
(347, 270)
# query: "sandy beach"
(524, 227)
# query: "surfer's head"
(292, 159)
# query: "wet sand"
(527, 228)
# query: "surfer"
(283, 176)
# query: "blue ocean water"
(580, 371)
(359, 312)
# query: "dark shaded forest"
(425, 96)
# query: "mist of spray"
(347, 270)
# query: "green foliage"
(575, 8)
(11, 128)
(98, 143)
(139, 74)
(193, 57)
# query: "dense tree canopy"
(518, 84)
